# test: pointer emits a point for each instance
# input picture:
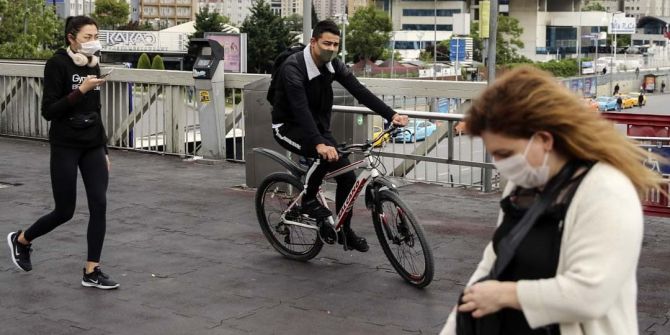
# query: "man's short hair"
(325, 26)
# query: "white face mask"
(517, 169)
(90, 48)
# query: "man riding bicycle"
(302, 106)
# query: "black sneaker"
(20, 252)
(98, 279)
(354, 242)
(315, 209)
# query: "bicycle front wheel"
(403, 239)
(273, 198)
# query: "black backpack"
(277, 65)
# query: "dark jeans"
(291, 139)
(93, 166)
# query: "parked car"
(606, 103)
(591, 104)
(636, 96)
(628, 101)
(381, 142)
(416, 130)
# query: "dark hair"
(325, 26)
(74, 23)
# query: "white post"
(435, 42)
(392, 53)
(457, 58)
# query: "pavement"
(183, 241)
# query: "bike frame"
(369, 173)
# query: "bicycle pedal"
(326, 232)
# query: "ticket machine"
(210, 97)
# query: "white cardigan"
(595, 289)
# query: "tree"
(268, 34)
(205, 21)
(594, 6)
(111, 13)
(508, 40)
(294, 22)
(443, 51)
(157, 63)
(136, 25)
(368, 33)
(315, 18)
(44, 30)
(144, 62)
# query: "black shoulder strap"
(508, 244)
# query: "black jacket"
(62, 99)
(308, 104)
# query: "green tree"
(205, 22)
(368, 33)
(294, 22)
(386, 55)
(268, 34)
(144, 62)
(111, 13)
(43, 32)
(594, 6)
(136, 25)
(157, 63)
(315, 18)
(443, 51)
(508, 41)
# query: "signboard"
(204, 97)
(484, 14)
(457, 49)
(461, 24)
(143, 41)
(622, 25)
(234, 50)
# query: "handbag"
(83, 120)
(466, 324)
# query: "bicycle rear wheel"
(403, 239)
(273, 197)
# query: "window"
(430, 12)
(440, 27)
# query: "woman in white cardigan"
(532, 126)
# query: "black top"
(61, 100)
(308, 104)
(535, 258)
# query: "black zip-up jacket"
(308, 104)
(62, 99)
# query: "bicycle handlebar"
(347, 149)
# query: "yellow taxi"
(381, 142)
(628, 101)
(635, 96)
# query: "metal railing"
(432, 148)
(156, 111)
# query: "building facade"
(326, 9)
(420, 15)
(164, 13)
(65, 8)
(354, 5)
(290, 7)
(236, 11)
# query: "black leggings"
(291, 139)
(93, 166)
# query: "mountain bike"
(299, 237)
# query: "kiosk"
(209, 86)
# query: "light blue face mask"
(517, 169)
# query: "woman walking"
(71, 101)
(572, 271)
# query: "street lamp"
(344, 21)
(613, 48)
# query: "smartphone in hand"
(106, 74)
